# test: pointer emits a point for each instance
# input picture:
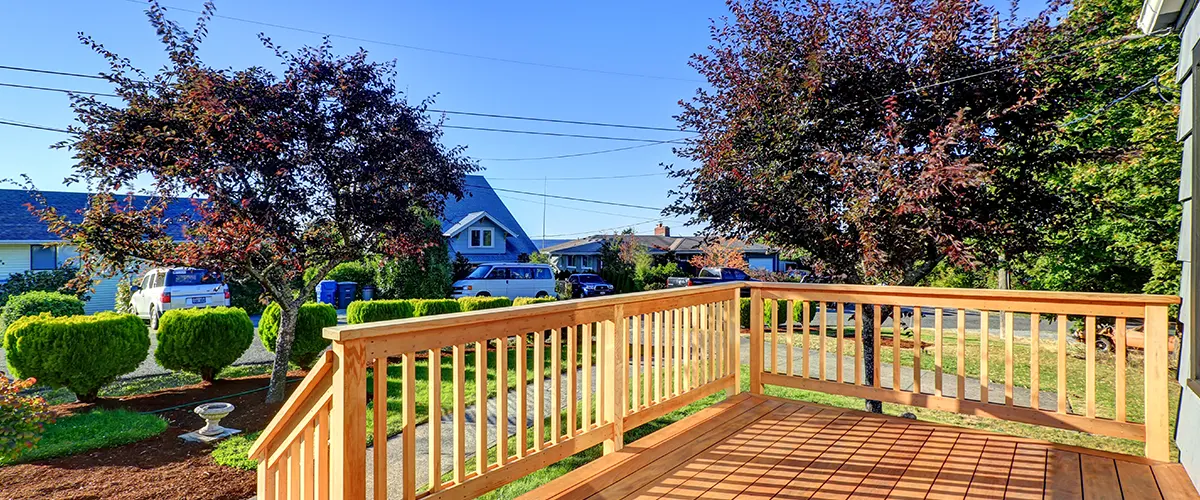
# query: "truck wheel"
(153, 318)
(1104, 344)
(483, 294)
(541, 295)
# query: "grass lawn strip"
(88, 431)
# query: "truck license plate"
(198, 300)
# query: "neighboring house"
(584, 254)
(1181, 16)
(26, 244)
(480, 227)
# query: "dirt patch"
(159, 467)
(904, 343)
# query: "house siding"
(461, 242)
(1188, 436)
(14, 258)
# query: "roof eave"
(1159, 14)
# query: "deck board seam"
(865, 442)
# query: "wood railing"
(611, 364)
(783, 352)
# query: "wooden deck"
(761, 447)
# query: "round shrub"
(432, 307)
(480, 303)
(81, 353)
(367, 311)
(308, 344)
(203, 341)
(35, 303)
(523, 301)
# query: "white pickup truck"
(163, 289)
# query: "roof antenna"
(544, 181)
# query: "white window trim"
(471, 237)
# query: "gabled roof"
(478, 196)
(18, 225)
(656, 244)
(471, 218)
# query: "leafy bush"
(234, 450)
(308, 343)
(246, 294)
(367, 311)
(37, 302)
(523, 301)
(426, 276)
(433, 307)
(203, 341)
(479, 303)
(44, 281)
(655, 277)
(22, 418)
(81, 353)
(768, 317)
(92, 430)
(124, 296)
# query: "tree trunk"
(277, 392)
(868, 342)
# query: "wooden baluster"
(716, 320)
(1089, 330)
(1008, 358)
(588, 388)
(1035, 363)
(733, 361)
(897, 329)
(658, 356)
(306, 463)
(1119, 338)
(281, 482)
(806, 340)
(522, 354)
(791, 337)
(756, 340)
(556, 385)
(1062, 363)
(409, 438)
(460, 414)
(572, 381)
(349, 419)
(960, 367)
(322, 485)
(841, 341)
(1157, 406)
(602, 366)
(294, 475)
(435, 419)
(916, 349)
(379, 400)
(689, 345)
(772, 306)
(706, 322)
(937, 351)
(646, 322)
(858, 344)
(822, 333)
(635, 350)
(983, 356)
(265, 489)
(877, 361)
(615, 359)
(680, 340)
(539, 390)
(697, 346)
(501, 401)
(481, 407)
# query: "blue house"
(480, 227)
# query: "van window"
(543, 273)
(479, 273)
(183, 277)
(499, 273)
(520, 273)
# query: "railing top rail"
(306, 390)
(919, 292)
(343, 333)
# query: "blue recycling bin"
(327, 291)
(345, 293)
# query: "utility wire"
(32, 126)
(52, 72)
(551, 134)
(600, 177)
(569, 198)
(568, 207)
(588, 153)
(551, 120)
(52, 89)
(427, 49)
(607, 229)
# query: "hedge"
(81, 353)
(308, 343)
(522, 301)
(203, 341)
(366, 311)
(480, 303)
(37, 302)
(797, 313)
(433, 307)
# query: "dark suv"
(588, 285)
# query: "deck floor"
(757, 447)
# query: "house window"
(43, 257)
(570, 261)
(481, 238)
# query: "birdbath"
(212, 413)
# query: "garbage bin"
(327, 291)
(345, 293)
(368, 292)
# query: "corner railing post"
(734, 357)
(1157, 405)
(348, 420)
(616, 357)
(756, 340)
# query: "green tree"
(426, 275)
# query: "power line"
(607, 229)
(588, 153)
(568, 207)
(52, 72)
(52, 89)
(32, 126)
(569, 198)
(552, 120)
(601, 177)
(430, 50)
(551, 134)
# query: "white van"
(163, 289)
(507, 280)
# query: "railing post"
(348, 420)
(1157, 405)
(617, 359)
(756, 340)
(734, 318)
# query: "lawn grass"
(88, 431)
(144, 385)
(232, 451)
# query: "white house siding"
(14, 258)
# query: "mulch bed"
(160, 467)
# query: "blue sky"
(653, 39)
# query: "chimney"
(662, 230)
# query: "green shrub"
(480, 303)
(308, 344)
(37, 302)
(124, 296)
(81, 353)
(233, 451)
(45, 281)
(522, 301)
(768, 318)
(655, 277)
(203, 341)
(367, 311)
(22, 418)
(433, 307)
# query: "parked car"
(710, 275)
(588, 285)
(506, 280)
(164, 289)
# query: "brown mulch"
(160, 467)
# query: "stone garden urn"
(212, 413)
